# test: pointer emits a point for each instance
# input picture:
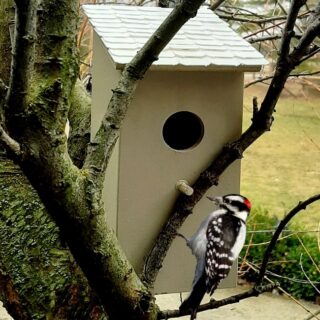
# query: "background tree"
(35, 108)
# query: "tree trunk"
(39, 278)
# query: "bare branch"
(216, 4)
(308, 253)
(215, 304)
(288, 31)
(312, 316)
(258, 21)
(292, 75)
(310, 54)
(271, 37)
(305, 274)
(10, 143)
(281, 226)
(273, 26)
(240, 10)
(310, 34)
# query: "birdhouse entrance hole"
(183, 130)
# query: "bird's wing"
(221, 236)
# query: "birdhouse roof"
(204, 43)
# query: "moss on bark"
(6, 16)
(40, 279)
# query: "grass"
(283, 166)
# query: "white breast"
(240, 241)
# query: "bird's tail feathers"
(193, 301)
(211, 285)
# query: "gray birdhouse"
(188, 105)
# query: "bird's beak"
(216, 200)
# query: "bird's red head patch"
(247, 203)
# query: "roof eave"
(240, 68)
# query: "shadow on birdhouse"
(188, 105)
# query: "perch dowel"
(184, 187)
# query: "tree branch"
(300, 206)
(102, 145)
(23, 54)
(292, 75)
(215, 304)
(216, 4)
(313, 31)
(258, 21)
(288, 31)
(270, 37)
(9, 143)
(80, 119)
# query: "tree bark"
(39, 277)
(80, 124)
(6, 17)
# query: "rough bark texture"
(80, 124)
(39, 277)
(6, 16)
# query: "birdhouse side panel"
(105, 78)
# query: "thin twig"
(255, 21)
(309, 255)
(301, 206)
(305, 274)
(293, 75)
(216, 4)
(319, 236)
(314, 315)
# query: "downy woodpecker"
(216, 244)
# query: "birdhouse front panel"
(176, 124)
(187, 107)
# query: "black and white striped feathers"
(216, 244)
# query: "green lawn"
(283, 166)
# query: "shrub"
(284, 264)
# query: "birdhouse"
(188, 105)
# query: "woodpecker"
(216, 244)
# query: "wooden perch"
(184, 187)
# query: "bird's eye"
(227, 200)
